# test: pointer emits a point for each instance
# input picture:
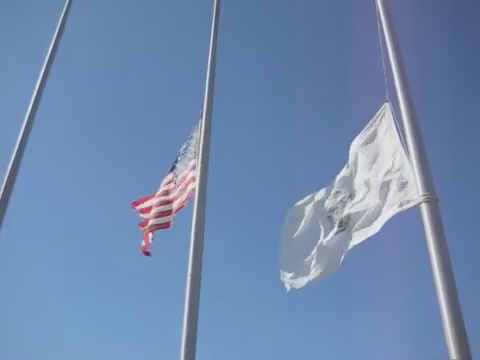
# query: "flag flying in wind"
(158, 210)
(376, 184)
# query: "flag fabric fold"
(376, 184)
(158, 210)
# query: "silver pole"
(194, 277)
(17, 156)
(451, 313)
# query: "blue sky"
(296, 81)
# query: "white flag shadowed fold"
(376, 184)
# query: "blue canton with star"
(187, 153)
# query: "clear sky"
(296, 82)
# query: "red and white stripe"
(159, 210)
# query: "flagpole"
(192, 297)
(22, 141)
(451, 313)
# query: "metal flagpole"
(451, 313)
(192, 297)
(17, 156)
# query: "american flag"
(158, 210)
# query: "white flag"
(376, 184)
